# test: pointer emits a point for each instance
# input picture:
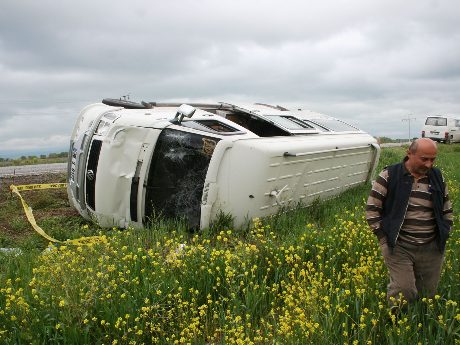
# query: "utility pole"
(409, 119)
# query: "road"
(35, 169)
(394, 144)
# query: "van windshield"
(436, 121)
(176, 176)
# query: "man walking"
(409, 211)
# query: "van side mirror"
(184, 110)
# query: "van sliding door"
(176, 176)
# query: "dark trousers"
(414, 270)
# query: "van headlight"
(104, 123)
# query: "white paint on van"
(250, 161)
(442, 129)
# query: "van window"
(316, 126)
(290, 122)
(257, 125)
(211, 126)
(176, 176)
(334, 125)
(436, 121)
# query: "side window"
(290, 122)
(212, 126)
(334, 125)
(257, 125)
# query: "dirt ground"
(45, 204)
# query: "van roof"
(291, 122)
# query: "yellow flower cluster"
(316, 285)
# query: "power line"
(409, 119)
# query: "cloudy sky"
(371, 63)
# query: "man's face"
(422, 160)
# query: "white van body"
(442, 129)
(129, 166)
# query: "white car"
(132, 162)
(441, 128)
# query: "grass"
(308, 276)
(51, 209)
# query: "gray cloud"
(371, 63)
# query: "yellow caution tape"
(41, 186)
(37, 228)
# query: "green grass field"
(309, 276)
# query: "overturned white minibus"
(130, 161)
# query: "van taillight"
(423, 134)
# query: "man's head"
(421, 155)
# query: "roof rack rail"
(148, 105)
(123, 103)
(204, 106)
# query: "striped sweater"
(419, 226)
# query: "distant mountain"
(12, 154)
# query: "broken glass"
(177, 174)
